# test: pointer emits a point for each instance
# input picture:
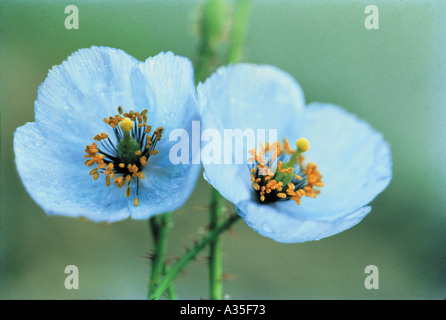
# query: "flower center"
(122, 160)
(278, 172)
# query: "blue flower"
(286, 192)
(92, 152)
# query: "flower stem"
(171, 293)
(176, 268)
(160, 226)
(212, 25)
(215, 258)
(238, 34)
(239, 28)
(211, 29)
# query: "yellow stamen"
(101, 165)
(90, 163)
(119, 181)
(286, 147)
(128, 192)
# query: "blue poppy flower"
(292, 193)
(92, 151)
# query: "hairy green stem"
(211, 29)
(171, 293)
(215, 258)
(160, 228)
(215, 14)
(239, 29)
(176, 268)
(238, 34)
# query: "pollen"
(122, 155)
(286, 147)
(278, 172)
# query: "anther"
(128, 192)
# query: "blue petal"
(165, 189)
(63, 187)
(233, 182)
(282, 226)
(164, 85)
(87, 87)
(246, 96)
(353, 158)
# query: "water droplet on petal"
(267, 228)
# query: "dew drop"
(267, 228)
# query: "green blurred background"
(393, 77)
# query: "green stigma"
(302, 146)
(128, 147)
